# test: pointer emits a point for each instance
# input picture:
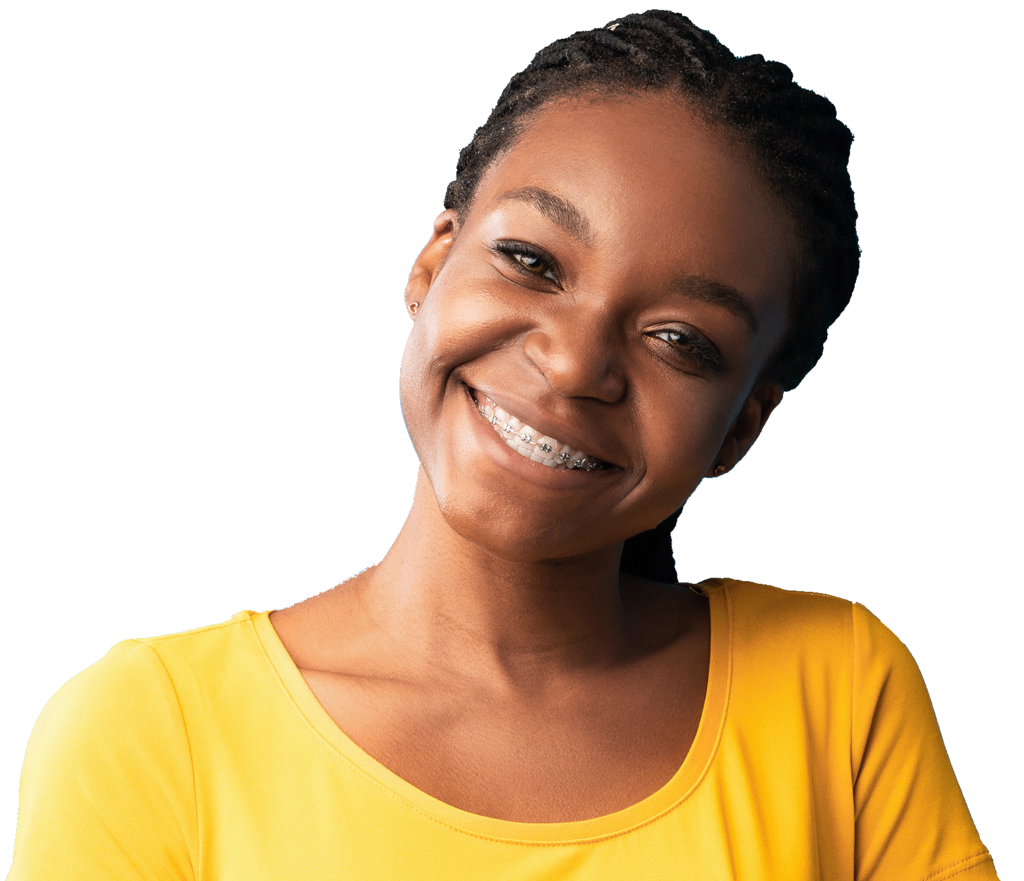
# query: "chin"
(515, 536)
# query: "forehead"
(659, 190)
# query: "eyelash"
(688, 343)
(545, 267)
(692, 345)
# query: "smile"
(528, 442)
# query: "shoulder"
(771, 617)
(108, 785)
(135, 691)
(761, 613)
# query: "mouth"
(532, 444)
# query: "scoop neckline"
(682, 784)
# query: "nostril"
(576, 366)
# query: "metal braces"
(563, 457)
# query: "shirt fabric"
(204, 755)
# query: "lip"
(544, 423)
(495, 449)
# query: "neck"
(448, 600)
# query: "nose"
(578, 357)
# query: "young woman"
(642, 251)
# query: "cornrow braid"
(791, 135)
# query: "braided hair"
(791, 134)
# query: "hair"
(791, 134)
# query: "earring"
(719, 470)
(414, 307)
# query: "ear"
(747, 427)
(430, 261)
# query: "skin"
(496, 656)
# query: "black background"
(221, 429)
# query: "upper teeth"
(525, 440)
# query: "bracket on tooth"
(564, 457)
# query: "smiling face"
(609, 300)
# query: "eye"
(529, 259)
(692, 345)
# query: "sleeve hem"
(965, 865)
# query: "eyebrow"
(717, 293)
(562, 213)
(695, 287)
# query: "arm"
(107, 789)
(911, 819)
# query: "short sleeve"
(912, 823)
(107, 789)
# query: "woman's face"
(610, 298)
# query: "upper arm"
(107, 790)
(911, 819)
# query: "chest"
(569, 751)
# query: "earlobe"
(430, 260)
(747, 427)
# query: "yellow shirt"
(204, 755)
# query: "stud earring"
(719, 470)
(414, 307)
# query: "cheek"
(684, 440)
(444, 334)
(687, 417)
(413, 385)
